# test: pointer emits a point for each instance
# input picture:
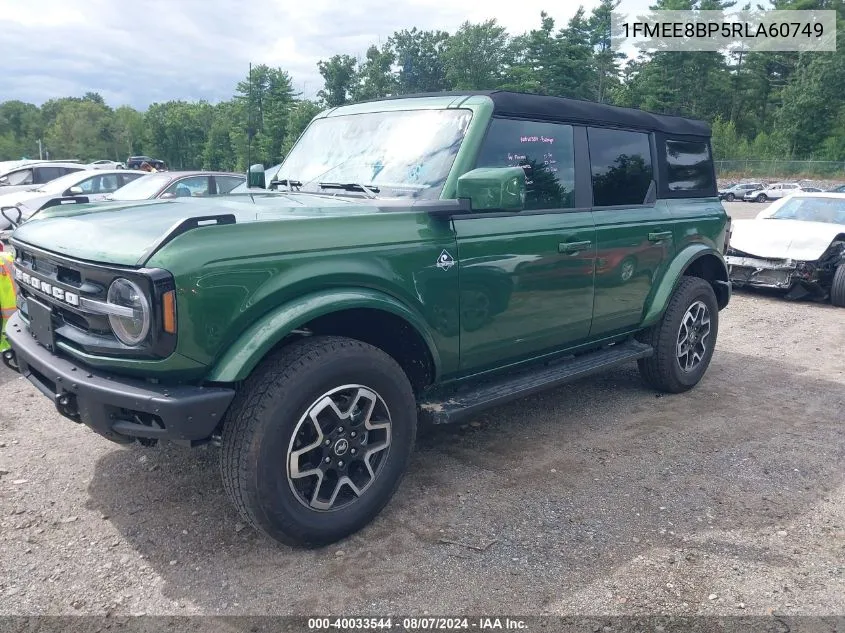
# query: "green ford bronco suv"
(416, 258)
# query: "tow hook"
(67, 406)
(10, 360)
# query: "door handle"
(572, 247)
(660, 236)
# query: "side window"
(46, 174)
(225, 184)
(620, 163)
(21, 177)
(88, 185)
(106, 184)
(544, 150)
(125, 179)
(189, 187)
(689, 166)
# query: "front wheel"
(761, 197)
(684, 339)
(837, 288)
(318, 440)
(730, 197)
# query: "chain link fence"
(781, 169)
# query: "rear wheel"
(684, 339)
(837, 288)
(318, 440)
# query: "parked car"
(797, 245)
(738, 191)
(135, 162)
(772, 192)
(31, 175)
(810, 189)
(839, 189)
(178, 184)
(106, 164)
(81, 186)
(417, 265)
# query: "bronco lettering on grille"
(71, 298)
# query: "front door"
(633, 231)
(526, 278)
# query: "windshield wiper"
(351, 186)
(286, 182)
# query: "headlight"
(133, 329)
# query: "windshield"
(821, 209)
(142, 188)
(406, 153)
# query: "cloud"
(137, 53)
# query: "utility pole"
(40, 154)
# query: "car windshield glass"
(821, 209)
(142, 188)
(406, 153)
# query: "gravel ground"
(598, 497)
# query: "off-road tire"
(662, 370)
(837, 288)
(259, 427)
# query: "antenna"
(249, 130)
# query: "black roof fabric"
(520, 104)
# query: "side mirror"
(12, 212)
(167, 196)
(494, 188)
(255, 177)
(4, 180)
(75, 191)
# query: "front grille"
(70, 288)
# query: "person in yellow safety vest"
(8, 304)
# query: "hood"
(122, 233)
(8, 199)
(784, 239)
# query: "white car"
(82, 186)
(32, 175)
(106, 164)
(798, 247)
(774, 191)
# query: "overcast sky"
(140, 51)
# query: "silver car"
(33, 175)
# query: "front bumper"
(780, 274)
(119, 408)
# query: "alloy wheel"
(693, 336)
(339, 447)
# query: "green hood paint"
(122, 233)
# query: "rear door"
(526, 278)
(634, 233)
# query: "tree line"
(761, 105)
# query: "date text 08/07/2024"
(417, 624)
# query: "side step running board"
(496, 391)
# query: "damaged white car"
(796, 245)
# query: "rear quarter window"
(689, 166)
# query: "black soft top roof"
(521, 104)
